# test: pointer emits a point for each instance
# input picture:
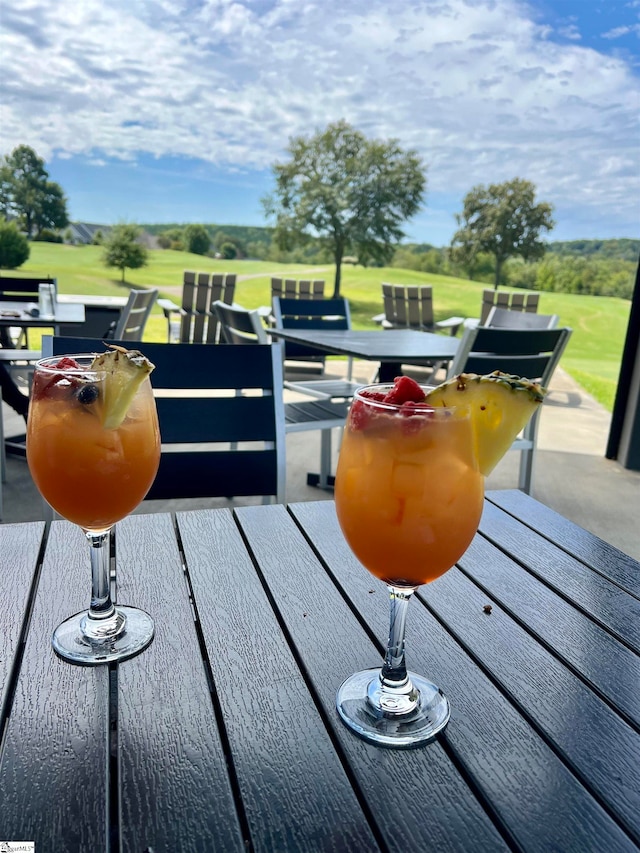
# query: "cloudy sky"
(175, 110)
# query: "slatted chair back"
(238, 325)
(134, 315)
(14, 289)
(408, 306)
(198, 323)
(534, 353)
(411, 307)
(291, 288)
(299, 313)
(325, 412)
(502, 318)
(221, 417)
(511, 301)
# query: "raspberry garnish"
(405, 390)
(56, 385)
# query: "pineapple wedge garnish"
(126, 370)
(501, 406)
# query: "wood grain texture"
(295, 792)
(583, 644)
(584, 730)
(507, 760)
(224, 733)
(19, 548)
(418, 798)
(604, 601)
(175, 790)
(591, 550)
(53, 770)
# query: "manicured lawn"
(592, 356)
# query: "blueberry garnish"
(88, 394)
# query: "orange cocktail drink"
(93, 448)
(91, 475)
(408, 490)
(409, 494)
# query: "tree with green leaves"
(123, 250)
(349, 192)
(504, 220)
(196, 239)
(27, 193)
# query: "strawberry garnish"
(405, 390)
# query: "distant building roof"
(84, 232)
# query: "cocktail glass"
(409, 498)
(93, 477)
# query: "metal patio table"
(391, 348)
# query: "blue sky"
(175, 110)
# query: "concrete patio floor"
(571, 474)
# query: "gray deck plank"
(295, 792)
(172, 761)
(53, 768)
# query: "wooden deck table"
(223, 734)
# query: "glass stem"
(394, 670)
(102, 622)
(392, 693)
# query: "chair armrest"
(169, 307)
(20, 354)
(451, 323)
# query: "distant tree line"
(233, 242)
(594, 267)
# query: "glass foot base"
(387, 728)
(71, 644)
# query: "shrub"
(196, 239)
(48, 236)
(14, 246)
(228, 251)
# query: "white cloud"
(618, 32)
(476, 86)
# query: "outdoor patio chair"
(298, 313)
(291, 288)
(503, 318)
(193, 321)
(326, 412)
(221, 418)
(510, 300)
(411, 307)
(134, 316)
(533, 353)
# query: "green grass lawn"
(592, 357)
